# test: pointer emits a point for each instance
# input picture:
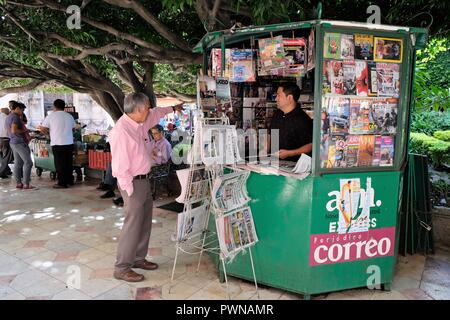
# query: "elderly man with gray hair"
(131, 164)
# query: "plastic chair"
(160, 175)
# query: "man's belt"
(143, 176)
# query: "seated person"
(161, 149)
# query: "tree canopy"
(145, 45)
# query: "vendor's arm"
(44, 128)
(120, 163)
(283, 153)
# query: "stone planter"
(441, 225)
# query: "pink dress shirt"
(130, 147)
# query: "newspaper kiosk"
(338, 227)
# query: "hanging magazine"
(349, 77)
(351, 156)
(236, 231)
(388, 79)
(206, 93)
(333, 77)
(339, 113)
(242, 65)
(388, 49)
(229, 191)
(347, 47)
(373, 82)
(216, 63)
(377, 151)
(332, 46)
(363, 46)
(362, 78)
(385, 115)
(272, 53)
(295, 56)
(366, 149)
(387, 151)
(223, 95)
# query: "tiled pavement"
(49, 236)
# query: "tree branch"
(24, 88)
(17, 23)
(155, 23)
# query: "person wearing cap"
(19, 145)
(131, 165)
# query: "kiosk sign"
(351, 237)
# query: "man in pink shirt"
(131, 164)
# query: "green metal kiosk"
(338, 228)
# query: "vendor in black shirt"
(294, 125)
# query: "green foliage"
(14, 82)
(429, 122)
(437, 150)
(184, 82)
(432, 80)
(442, 135)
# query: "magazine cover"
(340, 151)
(223, 95)
(373, 82)
(295, 49)
(206, 93)
(362, 79)
(385, 114)
(388, 49)
(311, 63)
(272, 53)
(348, 68)
(377, 152)
(388, 79)
(242, 65)
(387, 151)
(366, 116)
(327, 72)
(331, 155)
(324, 146)
(352, 150)
(356, 125)
(349, 202)
(236, 231)
(366, 149)
(339, 111)
(337, 77)
(347, 47)
(332, 45)
(363, 47)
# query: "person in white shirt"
(6, 154)
(61, 125)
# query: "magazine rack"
(193, 236)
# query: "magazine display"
(199, 186)
(206, 93)
(229, 191)
(295, 56)
(223, 96)
(219, 145)
(236, 231)
(242, 65)
(361, 87)
(191, 223)
(216, 63)
(272, 54)
(332, 46)
(388, 50)
(363, 47)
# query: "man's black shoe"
(4, 176)
(118, 201)
(108, 194)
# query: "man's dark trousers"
(63, 156)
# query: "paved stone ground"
(46, 234)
